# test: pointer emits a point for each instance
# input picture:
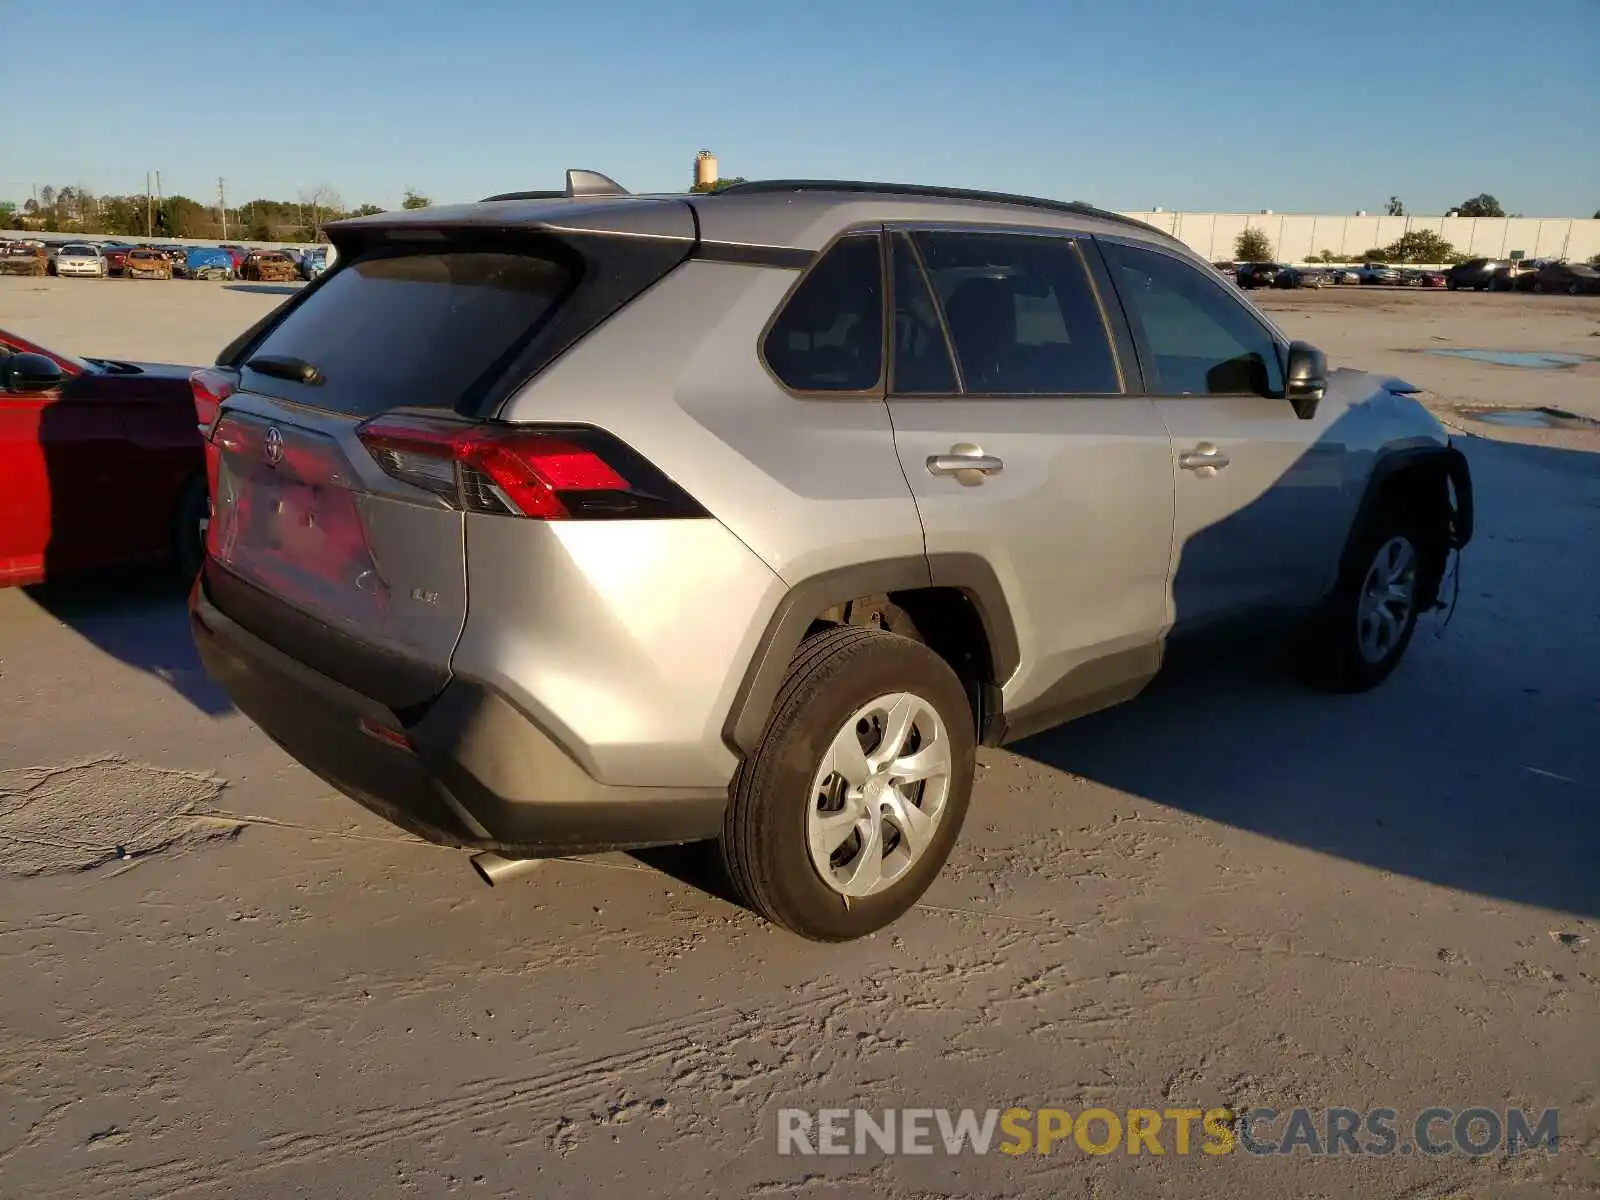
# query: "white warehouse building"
(1295, 237)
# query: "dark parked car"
(1575, 279)
(1475, 273)
(1257, 275)
(1516, 276)
(1299, 277)
(101, 463)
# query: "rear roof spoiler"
(579, 183)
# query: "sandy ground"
(219, 979)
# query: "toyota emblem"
(273, 446)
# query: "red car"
(116, 258)
(101, 463)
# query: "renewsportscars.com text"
(1378, 1132)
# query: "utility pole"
(149, 214)
(222, 203)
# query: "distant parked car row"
(103, 259)
(1525, 275)
(1271, 274)
(1481, 274)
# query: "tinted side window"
(1196, 339)
(921, 354)
(1021, 312)
(829, 336)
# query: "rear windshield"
(430, 329)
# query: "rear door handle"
(1205, 460)
(966, 462)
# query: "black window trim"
(1122, 357)
(891, 303)
(1279, 342)
(878, 390)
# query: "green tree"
(718, 185)
(1252, 246)
(1481, 205)
(414, 199)
(1376, 254)
(1419, 246)
(367, 210)
(1395, 208)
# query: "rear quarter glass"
(422, 329)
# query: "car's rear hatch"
(349, 555)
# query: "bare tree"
(323, 204)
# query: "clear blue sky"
(1302, 105)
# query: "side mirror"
(30, 373)
(1306, 379)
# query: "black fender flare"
(965, 573)
(1448, 458)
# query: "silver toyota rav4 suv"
(564, 522)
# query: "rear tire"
(832, 857)
(1362, 631)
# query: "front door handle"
(968, 463)
(1205, 460)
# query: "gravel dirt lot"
(1228, 892)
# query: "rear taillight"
(211, 386)
(547, 472)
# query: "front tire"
(1359, 637)
(850, 805)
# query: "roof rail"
(579, 183)
(1075, 207)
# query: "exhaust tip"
(494, 868)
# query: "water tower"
(705, 169)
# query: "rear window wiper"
(283, 366)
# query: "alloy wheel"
(1388, 595)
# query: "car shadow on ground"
(1474, 767)
(140, 617)
(264, 289)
